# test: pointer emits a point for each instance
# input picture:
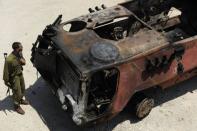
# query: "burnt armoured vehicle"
(98, 62)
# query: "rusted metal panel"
(136, 46)
(131, 74)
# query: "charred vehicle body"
(97, 62)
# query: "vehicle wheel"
(144, 107)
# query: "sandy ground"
(23, 20)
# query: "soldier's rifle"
(8, 90)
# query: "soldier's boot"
(19, 110)
(24, 102)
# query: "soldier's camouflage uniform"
(13, 73)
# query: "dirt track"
(23, 20)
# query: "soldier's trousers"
(18, 89)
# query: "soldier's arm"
(22, 61)
(21, 58)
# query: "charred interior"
(90, 94)
(176, 19)
(101, 90)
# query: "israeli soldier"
(13, 76)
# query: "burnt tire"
(144, 107)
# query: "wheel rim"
(144, 108)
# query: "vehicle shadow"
(162, 96)
(49, 108)
(6, 105)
